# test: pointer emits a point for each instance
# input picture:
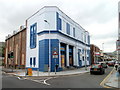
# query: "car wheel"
(103, 72)
(91, 73)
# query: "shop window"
(33, 30)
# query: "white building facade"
(53, 39)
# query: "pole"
(85, 60)
(49, 48)
(55, 66)
(85, 53)
(103, 50)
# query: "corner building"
(69, 42)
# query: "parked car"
(111, 63)
(97, 68)
(117, 62)
(103, 64)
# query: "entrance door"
(63, 55)
(71, 55)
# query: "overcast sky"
(98, 17)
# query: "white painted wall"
(49, 14)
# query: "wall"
(16, 44)
(50, 15)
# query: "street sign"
(55, 54)
(29, 71)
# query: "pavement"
(21, 73)
(113, 80)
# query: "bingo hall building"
(53, 39)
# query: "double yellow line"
(104, 81)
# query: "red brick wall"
(17, 44)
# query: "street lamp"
(103, 50)
(49, 47)
(85, 52)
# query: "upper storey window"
(73, 32)
(33, 30)
(59, 22)
(68, 28)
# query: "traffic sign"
(55, 53)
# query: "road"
(73, 81)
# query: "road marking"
(46, 80)
(43, 81)
(103, 82)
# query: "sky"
(98, 17)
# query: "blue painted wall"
(44, 54)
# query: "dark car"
(111, 63)
(97, 68)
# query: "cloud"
(99, 17)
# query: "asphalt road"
(79, 81)
(73, 81)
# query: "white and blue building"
(69, 42)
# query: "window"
(33, 30)
(87, 58)
(59, 22)
(73, 32)
(83, 58)
(88, 39)
(34, 61)
(31, 61)
(85, 37)
(68, 28)
(82, 51)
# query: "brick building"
(16, 43)
(94, 50)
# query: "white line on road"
(43, 81)
(46, 80)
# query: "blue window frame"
(59, 22)
(73, 32)
(34, 61)
(33, 30)
(68, 28)
(31, 61)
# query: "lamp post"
(103, 50)
(85, 52)
(49, 48)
